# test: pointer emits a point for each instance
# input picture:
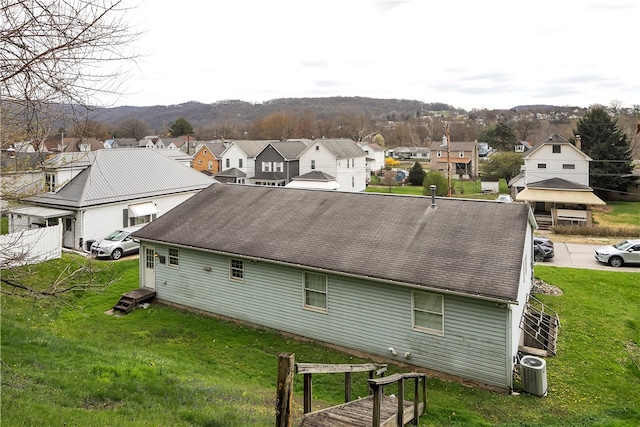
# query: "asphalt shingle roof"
(472, 247)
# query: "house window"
(542, 165)
(278, 166)
(461, 154)
(236, 270)
(174, 260)
(139, 220)
(240, 163)
(568, 166)
(204, 152)
(50, 180)
(353, 162)
(556, 149)
(315, 292)
(353, 182)
(347, 163)
(439, 153)
(210, 165)
(199, 162)
(313, 164)
(228, 163)
(428, 313)
(317, 148)
(266, 166)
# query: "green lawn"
(464, 189)
(71, 364)
(618, 213)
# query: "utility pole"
(446, 140)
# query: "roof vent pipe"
(433, 196)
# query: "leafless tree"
(59, 53)
(133, 128)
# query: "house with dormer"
(340, 158)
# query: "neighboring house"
(242, 155)
(118, 188)
(555, 181)
(278, 163)
(462, 155)
(81, 145)
(151, 141)
(178, 156)
(341, 159)
(484, 150)
(233, 176)
(375, 156)
(63, 167)
(298, 261)
(124, 143)
(522, 147)
(208, 157)
(314, 180)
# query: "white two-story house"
(555, 181)
(342, 159)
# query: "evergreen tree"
(416, 174)
(607, 145)
(180, 127)
(501, 137)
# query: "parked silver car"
(625, 252)
(116, 244)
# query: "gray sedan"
(625, 252)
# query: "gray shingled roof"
(289, 150)
(558, 184)
(252, 147)
(463, 246)
(314, 176)
(342, 148)
(118, 175)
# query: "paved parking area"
(580, 255)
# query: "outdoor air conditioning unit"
(533, 373)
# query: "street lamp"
(446, 142)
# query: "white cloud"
(493, 54)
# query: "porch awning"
(40, 212)
(142, 209)
(559, 196)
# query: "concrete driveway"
(581, 255)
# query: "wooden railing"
(307, 369)
(377, 382)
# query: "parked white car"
(625, 252)
(116, 244)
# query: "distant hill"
(199, 114)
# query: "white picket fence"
(31, 246)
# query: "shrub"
(597, 231)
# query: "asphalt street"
(580, 255)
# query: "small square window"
(557, 149)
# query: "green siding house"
(440, 284)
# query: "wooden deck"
(130, 300)
(359, 413)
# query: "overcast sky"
(466, 53)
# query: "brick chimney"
(579, 142)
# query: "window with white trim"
(439, 153)
(428, 313)
(542, 165)
(266, 166)
(315, 291)
(236, 270)
(278, 166)
(228, 163)
(240, 163)
(557, 149)
(461, 154)
(210, 165)
(50, 182)
(174, 258)
(313, 164)
(568, 166)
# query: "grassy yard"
(618, 214)
(464, 189)
(71, 364)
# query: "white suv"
(116, 244)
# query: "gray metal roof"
(119, 175)
(472, 247)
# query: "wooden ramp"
(129, 301)
(359, 413)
